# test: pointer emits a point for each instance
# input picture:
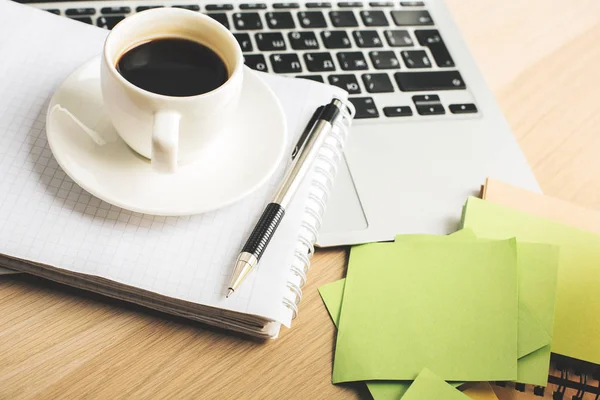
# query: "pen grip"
(264, 230)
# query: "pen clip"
(304, 137)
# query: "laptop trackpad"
(344, 212)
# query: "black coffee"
(173, 67)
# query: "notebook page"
(48, 219)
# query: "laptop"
(427, 131)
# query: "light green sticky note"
(428, 386)
(538, 272)
(413, 302)
(332, 295)
(532, 335)
(380, 390)
(576, 322)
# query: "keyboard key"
(348, 82)
(219, 7)
(425, 99)
(253, 6)
(115, 10)
(270, 41)
(343, 19)
(433, 109)
(431, 38)
(318, 5)
(467, 108)
(244, 41)
(415, 59)
(428, 104)
(374, 18)
(384, 60)
(350, 4)
(336, 39)
(285, 63)
(86, 20)
(312, 19)
(303, 40)
(280, 20)
(286, 5)
(412, 3)
(367, 39)
(144, 8)
(256, 61)
(398, 38)
(365, 107)
(109, 22)
(381, 4)
(402, 111)
(247, 21)
(377, 83)
(220, 18)
(319, 62)
(53, 11)
(426, 81)
(76, 12)
(352, 60)
(412, 18)
(191, 7)
(316, 78)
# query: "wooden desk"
(541, 59)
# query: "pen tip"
(229, 293)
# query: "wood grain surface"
(540, 57)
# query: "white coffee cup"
(165, 129)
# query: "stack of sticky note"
(478, 305)
(423, 315)
(457, 305)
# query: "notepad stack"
(487, 303)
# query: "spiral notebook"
(50, 227)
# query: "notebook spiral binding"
(325, 169)
(569, 379)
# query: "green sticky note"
(576, 322)
(380, 390)
(428, 386)
(531, 334)
(332, 295)
(538, 272)
(414, 301)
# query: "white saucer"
(232, 167)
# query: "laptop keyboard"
(389, 56)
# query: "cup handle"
(165, 141)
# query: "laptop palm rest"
(344, 212)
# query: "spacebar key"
(426, 81)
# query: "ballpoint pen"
(303, 155)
